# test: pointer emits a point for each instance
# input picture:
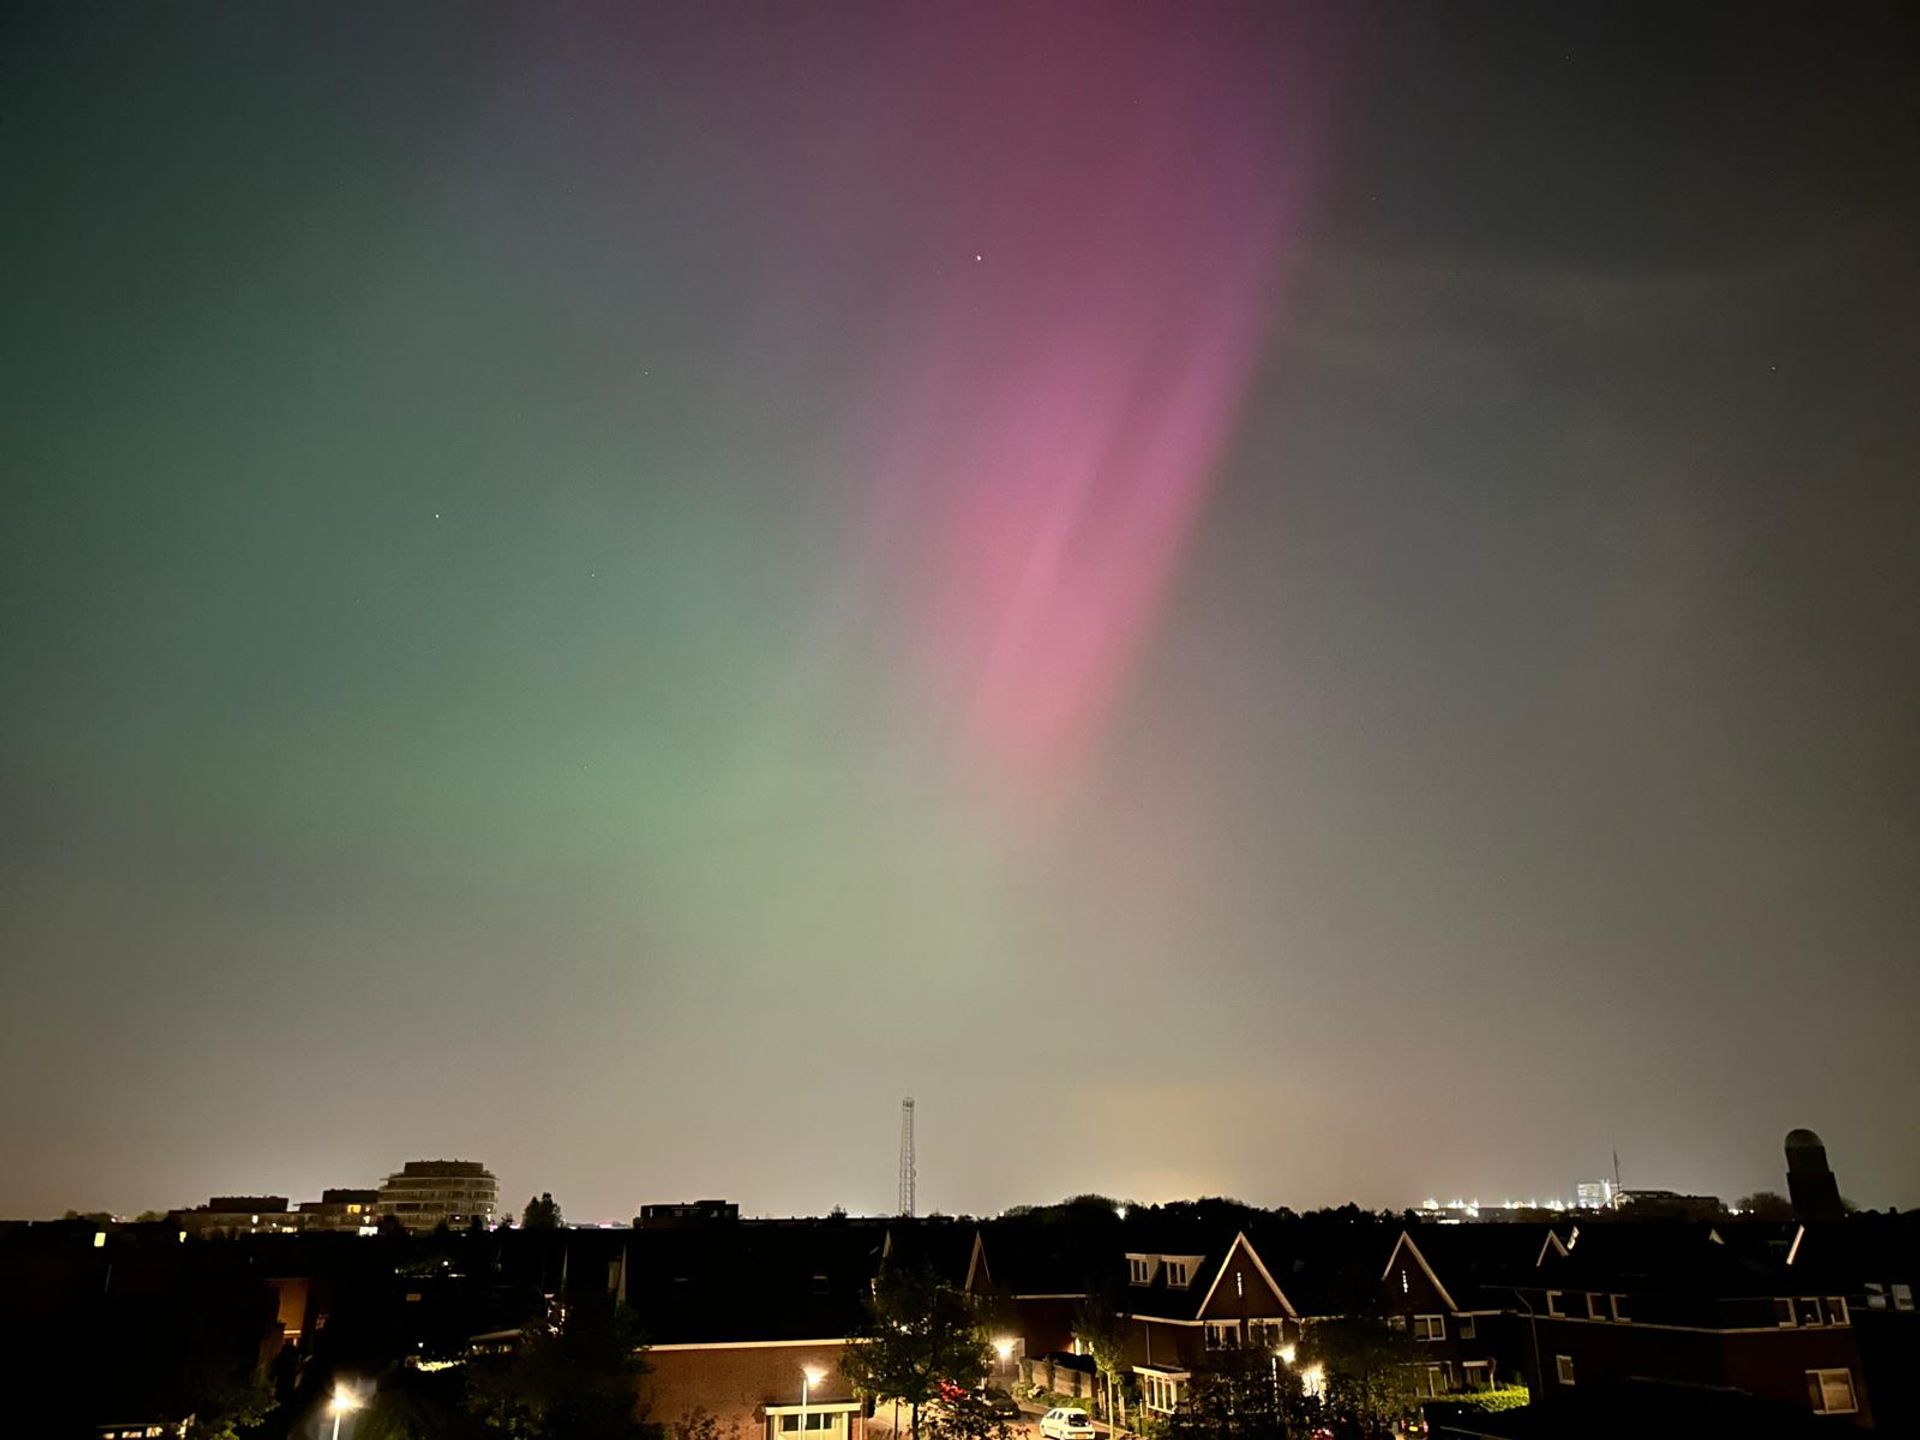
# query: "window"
(1223, 1334)
(1807, 1310)
(1140, 1269)
(1831, 1392)
(1178, 1273)
(1467, 1328)
(1437, 1380)
(1563, 1369)
(1783, 1312)
(1836, 1309)
(1162, 1392)
(1902, 1296)
(1396, 1322)
(1554, 1307)
(1596, 1306)
(1429, 1327)
(1619, 1306)
(1479, 1375)
(1266, 1334)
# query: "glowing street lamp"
(343, 1400)
(810, 1376)
(1286, 1354)
(1003, 1347)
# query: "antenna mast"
(907, 1172)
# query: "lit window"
(1831, 1392)
(1563, 1369)
(1429, 1327)
(1265, 1334)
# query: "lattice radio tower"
(907, 1173)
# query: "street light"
(1003, 1347)
(810, 1376)
(1286, 1353)
(343, 1401)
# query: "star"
(979, 257)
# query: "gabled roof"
(1474, 1266)
(1723, 1260)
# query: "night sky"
(1304, 603)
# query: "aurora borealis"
(1311, 602)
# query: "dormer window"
(1140, 1269)
(1179, 1274)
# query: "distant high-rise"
(1810, 1183)
(424, 1194)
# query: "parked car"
(1000, 1403)
(1066, 1424)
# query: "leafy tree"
(224, 1405)
(542, 1213)
(1369, 1374)
(1243, 1395)
(1765, 1205)
(967, 1417)
(918, 1332)
(700, 1424)
(574, 1382)
(1097, 1325)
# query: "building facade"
(425, 1194)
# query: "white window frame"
(1595, 1311)
(1553, 1304)
(1563, 1370)
(1613, 1305)
(1484, 1379)
(1179, 1274)
(1790, 1318)
(1140, 1269)
(1266, 1334)
(1437, 1381)
(1466, 1328)
(1223, 1334)
(1821, 1378)
(1837, 1310)
(1160, 1393)
(1429, 1327)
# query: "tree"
(1368, 1374)
(1765, 1205)
(966, 1417)
(918, 1332)
(1097, 1326)
(1243, 1395)
(542, 1213)
(577, 1381)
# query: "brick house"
(1448, 1287)
(746, 1323)
(1728, 1307)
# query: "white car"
(1066, 1425)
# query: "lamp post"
(810, 1376)
(343, 1401)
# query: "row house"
(1447, 1287)
(1735, 1308)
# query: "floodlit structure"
(424, 1194)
